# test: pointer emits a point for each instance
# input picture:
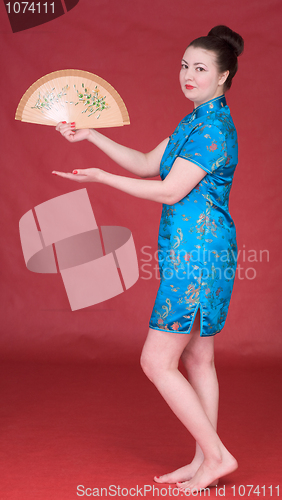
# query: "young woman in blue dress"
(207, 68)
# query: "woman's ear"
(223, 77)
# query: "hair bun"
(226, 34)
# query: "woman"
(197, 245)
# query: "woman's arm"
(141, 164)
(182, 178)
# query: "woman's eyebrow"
(195, 64)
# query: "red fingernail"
(74, 172)
(64, 122)
(54, 173)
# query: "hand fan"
(73, 96)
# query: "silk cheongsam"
(197, 238)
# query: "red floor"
(94, 426)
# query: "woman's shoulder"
(223, 120)
(184, 125)
(219, 122)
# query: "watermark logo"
(26, 15)
(62, 236)
(183, 265)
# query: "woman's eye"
(199, 68)
(184, 66)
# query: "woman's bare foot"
(209, 471)
(183, 474)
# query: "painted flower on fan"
(91, 100)
(49, 99)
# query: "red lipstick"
(189, 87)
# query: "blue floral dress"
(197, 238)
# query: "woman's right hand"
(68, 131)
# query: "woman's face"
(199, 77)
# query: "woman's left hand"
(84, 175)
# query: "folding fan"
(73, 96)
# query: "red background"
(137, 47)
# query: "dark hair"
(227, 45)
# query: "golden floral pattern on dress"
(197, 236)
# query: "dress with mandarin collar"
(197, 250)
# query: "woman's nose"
(188, 74)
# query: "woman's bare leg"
(159, 360)
(198, 359)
